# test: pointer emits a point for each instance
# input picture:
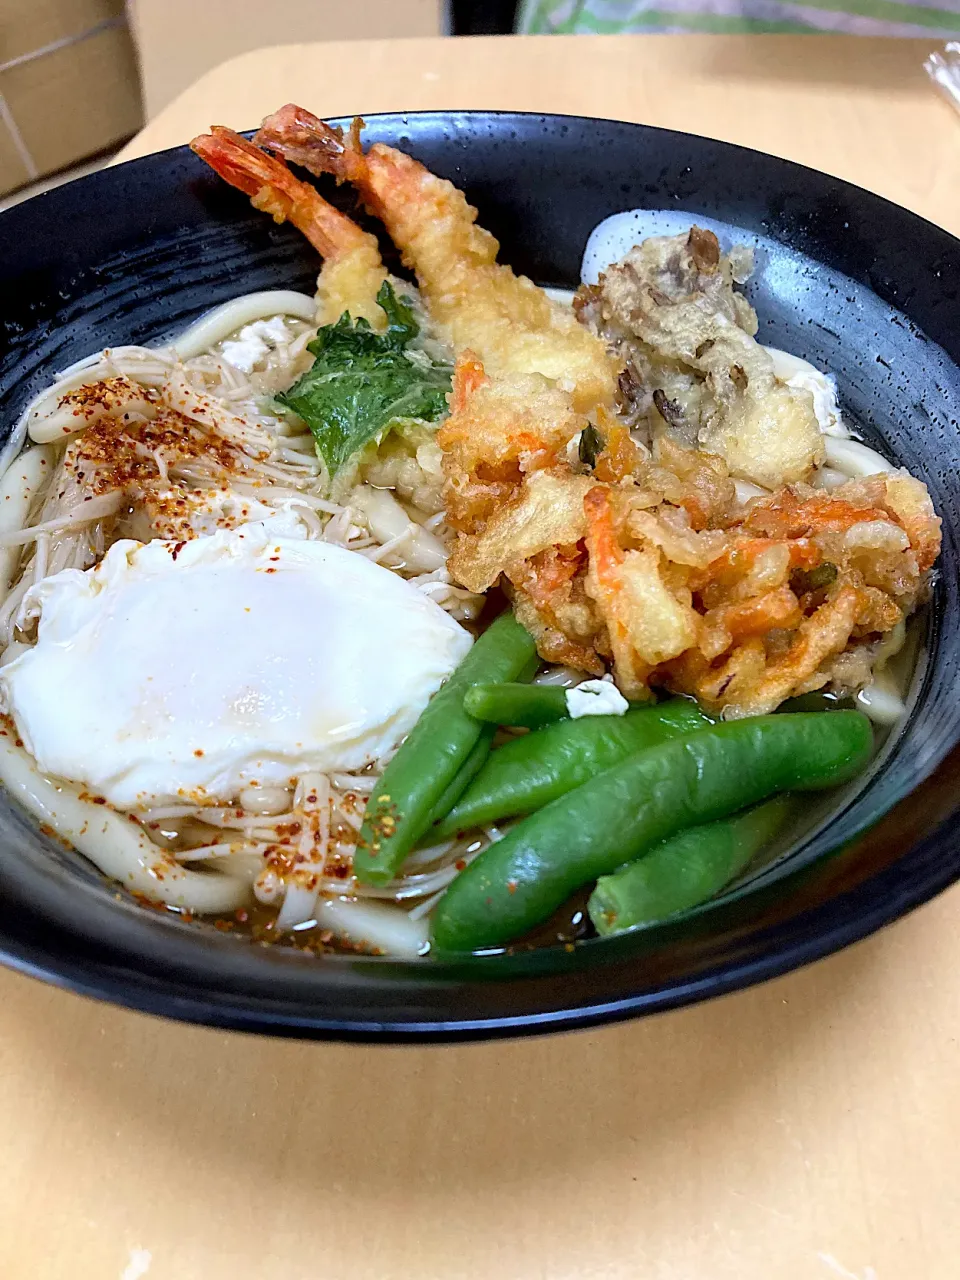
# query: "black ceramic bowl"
(845, 279)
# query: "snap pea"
(529, 772)
(527, 706)
(683, 871)
(418, 775)
(818, 701)
(477, 757)
(464, 775)
(622, 812)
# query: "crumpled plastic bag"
(944, 70)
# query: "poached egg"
(185, 672)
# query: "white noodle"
(268, 887)
(313, 801)
(227, 850)
(165, 813)
(120, 848)
(745, 490)
(41, 557)
(247, 436)
(373, 924)
(855, 460)
(107, 504)
(379, 553)
(432, 853)
(265, 800)
(561, 677)
(226, 319)
(350, 782)
(388, 521)
(18, 488)
(426, 906)
(299, 902)
(150, 367)
(65, 421)
(145, 360)
(881, 700)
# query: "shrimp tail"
(387, 180)
(304, 139)
(353, 270)
(238, 161)
(273, 189)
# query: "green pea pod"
(524, 775)
(619, 814)
(478, 756)
(525, 706)
(684, 871)
(428, 761)
(818, 701)
(464, 776)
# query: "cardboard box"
(69, 85)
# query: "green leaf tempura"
(363, 381)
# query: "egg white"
(187, 672)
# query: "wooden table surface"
(805, 1130)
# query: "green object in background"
(848, 17)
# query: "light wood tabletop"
(804, 1130)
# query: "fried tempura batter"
(692, 366)
(648, 562)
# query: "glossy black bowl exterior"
(845, 279)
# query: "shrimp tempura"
(476, 302)
(352, 270)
